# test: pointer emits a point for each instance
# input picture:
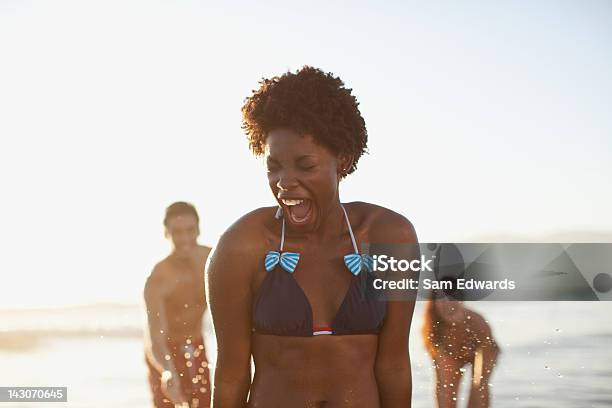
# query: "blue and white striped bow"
(356, 262)
(288, 260)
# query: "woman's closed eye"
(308, 167)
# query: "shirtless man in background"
(175, 299)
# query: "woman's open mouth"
(299, 210)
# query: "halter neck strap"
(348, 224)
(282, 235)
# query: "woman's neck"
(331, 225)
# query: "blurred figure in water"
(455, 337)
(175, 299)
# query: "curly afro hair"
(309, 102)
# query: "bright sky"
(484, 118)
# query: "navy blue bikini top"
(281, 307)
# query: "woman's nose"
(286, 182)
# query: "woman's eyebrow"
(271, 159)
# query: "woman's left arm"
(393, 373)
(392, 368)
(485, 359)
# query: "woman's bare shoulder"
(247, 236)
(479, 325)
(384, 225)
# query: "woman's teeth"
(292, 202)
(299, 210)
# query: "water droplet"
(560, 375)
(189, 364)
(186, 305)
(161, 332)
(463, 370)
(167, 357)
(546, 367)
(187, 356)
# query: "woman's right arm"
(229, 276)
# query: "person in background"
(175, 299)
(456, 336)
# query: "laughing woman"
(285, 282)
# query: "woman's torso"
(327, 370)
(461, 340)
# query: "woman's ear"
(345, 162)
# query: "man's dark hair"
(180, 208)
